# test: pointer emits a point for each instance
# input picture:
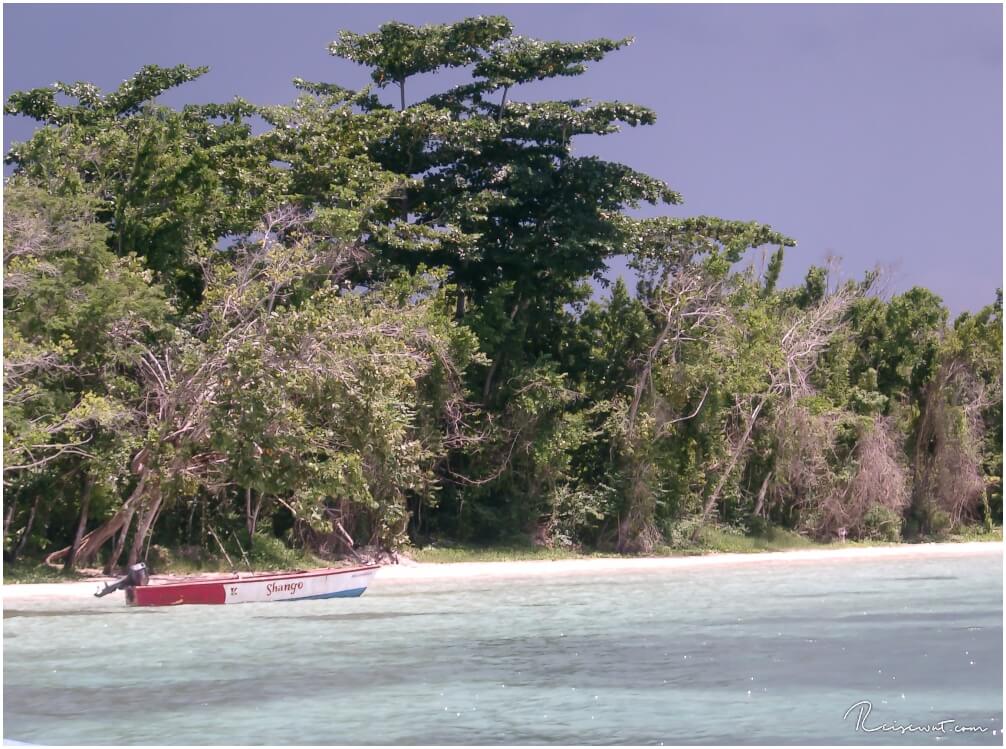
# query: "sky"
(869, 132)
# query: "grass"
(734, 541)
(718, 539)
(26, 572)
(976, 533)
(512, 553)
(711, 539)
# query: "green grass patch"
(730, 540)
(711, 539)
(470, 553)
(977, 533)
(26, 572)
(714, 539)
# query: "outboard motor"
(135, 575)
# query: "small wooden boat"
(337, 582)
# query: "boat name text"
(283, 588)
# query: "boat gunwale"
(327, 572)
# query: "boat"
(335, 582)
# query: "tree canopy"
(372, 324)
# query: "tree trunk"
(761, 494)
(23, 540)
(489, 378)
(8, 516)
(145, 526)
(921, 463)
(644, 377)
(120, 543)
(188, 525)
(636, 530)
(347, 541)
(85, 504)
(487, 388)
(92, 542)
(737, 453)
(252, 510)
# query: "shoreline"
(534, 568)
(432, 571)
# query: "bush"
(733, 539)
(881, 523)
(940, 523)
(575, 515)
(159, 558)
(679, 534)
(268, 552)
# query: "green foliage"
(267, 553)
(31, 573)
(773, 271)
(734, 540)
(76, 321)
(882, 524)
(441, 554)
(369, 325)
(92, 106)
(167, 183)
(980, 533)
(400, 50)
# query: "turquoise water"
(768, 653)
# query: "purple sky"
(873, 132)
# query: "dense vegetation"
(368, 324)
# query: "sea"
(854, 651)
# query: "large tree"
(522, 220)
(168, 183)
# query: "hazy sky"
(873, 132)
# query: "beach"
(420, 572)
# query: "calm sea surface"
(763, 654)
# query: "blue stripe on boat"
(354, 593)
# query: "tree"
(295, 387)
(69, 388)
(166, 182)
(531, 221)
(961, 395)
(374, 321)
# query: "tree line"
(370, 322)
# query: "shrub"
(268, 552)
(881, 523)
(875, 482)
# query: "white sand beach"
(410, 572)
(414, 572)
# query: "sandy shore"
(406, 573)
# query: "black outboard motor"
(136, 575)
